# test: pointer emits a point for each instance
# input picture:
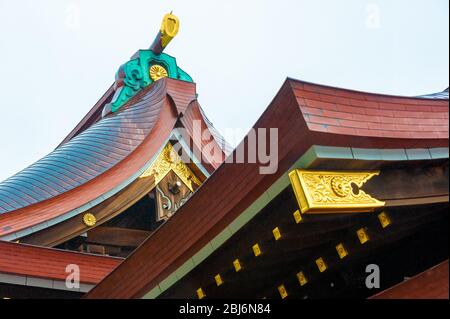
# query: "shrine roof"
(306, 115)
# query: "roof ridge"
(425, 96)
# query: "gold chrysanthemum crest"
(89, 219)
(157, 72)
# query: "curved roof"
(86, 156)
(340, 111)
(300, 113)
(97, 160)
(221, 141)
(438, 96)
(49, 263)
(429, 284)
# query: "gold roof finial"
(169, 29)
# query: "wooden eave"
(47, 263)
(430, 284)
(234, 187)
(151, 116)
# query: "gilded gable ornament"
(168, 160)
(332, 191)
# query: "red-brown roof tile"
(233, 187)
(430, 284)
(26, 260)
(343, 111)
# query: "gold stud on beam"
(362, 235)
(341, 250)
(89, 220)
(384, 219)
(200, 293)
(256, 250)
(237, 265)
(276, 233)
(321, 264)
(218, 279)
(297, 216)
(282, 291)
(302, 278)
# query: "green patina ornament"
(135, 75)
(147, 66)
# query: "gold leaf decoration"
(157, 72)
(169, 28)
(328, 191)
(89, 219)
(168, 160)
